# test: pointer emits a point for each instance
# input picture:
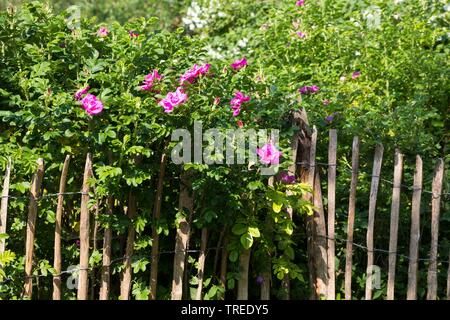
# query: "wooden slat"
(201, 263)
(106, 258)
(415, 232)
(125, 283)
(155, 234)
(4, 204)
(31, 227)
(244, 263)
(332, 150)
(223, 266)
(292, 170)
(351, 220)
(395, 211)
(186, 204)
(93, 278)
(318, 230)
(448, 278)
(83, 284)
(435, 213)
(319, 242)
(266, 269)
(58, 227)
(372, 206)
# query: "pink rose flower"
(237, 101)
(356, 74)
(240, 124)
(102, 32)
(133, 34)
(308, 89)
(326, 102)
(216, 100)
(269, 154)
(287, 178)
(239, 64)
(149, 79)
(81, 92)
(194, 73)
(91, 104)
(301, 35)
(300, 3)
(173, 99)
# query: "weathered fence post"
(186, 205)
(155, 235)
(106, 259)
(267, 268)
(372, 206)
(315, 225)
(201, 263)
(58, 225)
(317, 228)
(224, 265)
(435, 213)
(31, 226)
(415, 232)
(244, 262)
(84, 232)
(351, 220)
(448, 278)
(4, 204)
(332, 150)
(395, 210)
(125, 284)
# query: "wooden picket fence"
(321, 230)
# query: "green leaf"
(233, 256)
(276, 207)
(239, 229)
(254, 232)
(247, 240)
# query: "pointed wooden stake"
(244, 262)
(435, 213)
(106, 273)
(415, 232)
(4, 204)
(201, 263)
(182, 238)
(31, 227)
(370, 227)
(155, 234)
(332, 150)
(351, 219)
(395, 211)
(58, 227)
(83, 284)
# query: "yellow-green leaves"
(246, 234)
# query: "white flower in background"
(243, 42)
(372, 15)
(398, 1)
(447, 7)
(357, 53)
(355, 23)
(214, 52)
(200, 14)
(396, 16)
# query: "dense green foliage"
(400, 98)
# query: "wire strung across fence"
(324, 164)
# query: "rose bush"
(118, 92)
